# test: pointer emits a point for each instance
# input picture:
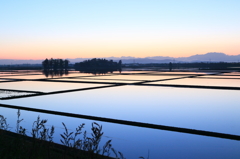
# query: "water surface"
(202, 109)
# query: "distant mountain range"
(208, 57)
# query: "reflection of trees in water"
(99, 72)
(55, 73)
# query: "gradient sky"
(38, 29)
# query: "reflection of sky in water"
(232, 73)
(187, 73)
(133, 77)
(211, 110)
(7, 74)
(215, 76)
(125, 71)
(76, 74)
(95, 80)
(4, 94)
(43, 76)
(202, 82)
(3, 80)
(134, 142)
(25, 77)
(203, 109)
(45, 86)
(71, 74)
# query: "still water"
(202, 81)
(202, 109)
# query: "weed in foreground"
(3, 123)
(41, 145)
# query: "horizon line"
(122, 57)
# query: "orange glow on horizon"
(139, 49)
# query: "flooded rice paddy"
(202, 101)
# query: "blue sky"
(101, 28)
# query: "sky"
(42, 29)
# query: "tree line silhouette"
(55, 64)
(186, 65)
(58, 67)
(98, 65)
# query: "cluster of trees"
(55, 64)
(98, 65)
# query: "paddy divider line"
(130, 123)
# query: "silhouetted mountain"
(15, 62)
(160, 58)
(208, 57)
(146, 60)
(211, 57)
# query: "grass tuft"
(41, 145)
